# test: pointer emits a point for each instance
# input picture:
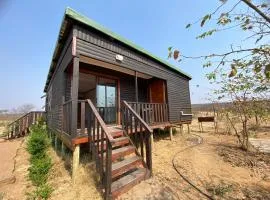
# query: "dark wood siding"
(99, 46)
(57, 87)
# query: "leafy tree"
(246, 15)
(243, 72)
(248, 99)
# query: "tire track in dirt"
(200, 141)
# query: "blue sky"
(29, 31)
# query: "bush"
(38, 172)
(41, 163)
(38, 142)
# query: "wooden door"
(157, 90)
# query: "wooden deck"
(114, 129)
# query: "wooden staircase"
(20, 127)
(128, 168)
(116, 151)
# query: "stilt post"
(171, 134)
(75, 162)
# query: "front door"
(106, 99)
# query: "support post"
(75, 162)
(171, 134)
(152, 140)
(55, 143)
(182, 128)
(63, 150)
(188, 128)
(74, 95)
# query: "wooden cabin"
(107, 92)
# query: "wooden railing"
(67, 117)
(20, 126)
(151, 113)
(101, 142)
(139, 132)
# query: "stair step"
(126, 165)
(114, 133)
(121, 141)
(121, 152)
(117, 133)
(125, 183)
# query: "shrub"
(41, 163)
(38, 172)
(38, 142)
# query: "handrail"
(138, 117)
(144, 102)
(102, 124)
(101, 144)
(20, 126)
(24, 116)
(66, 102)
(141, 133)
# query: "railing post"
(108, 176)
(82, 117)
(149, 152)
(74, 96)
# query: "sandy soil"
(216, 166)
(16, 159)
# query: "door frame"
(117, 79)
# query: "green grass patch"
(37, 145)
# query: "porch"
(155, 115)
(107, 88)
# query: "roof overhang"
(77, 17)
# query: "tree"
(25, 108)
(242, 73)
(247, 98)
(251, 18)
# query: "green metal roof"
(69, 12)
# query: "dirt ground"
(215, 165)
(14, 158)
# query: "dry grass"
(217, 167)
(86, 186)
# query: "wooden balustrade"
(151, 113)
(20, 126)
(139, 132)
(101, 143)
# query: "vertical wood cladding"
(58, 85)
(101, 47)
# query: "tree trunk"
(245, 136)
(257, 121)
